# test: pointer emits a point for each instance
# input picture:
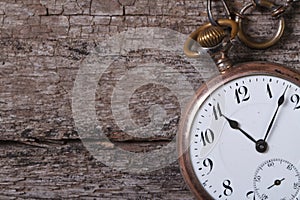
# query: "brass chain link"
(215, 32)
(277, 12)
(217, 35)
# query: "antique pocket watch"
(239, 138)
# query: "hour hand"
(235, 125)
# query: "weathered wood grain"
(42, 46)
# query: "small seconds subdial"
(277, 179)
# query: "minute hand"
(279, 104)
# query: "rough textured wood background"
(42, 44)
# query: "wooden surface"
(43, 44)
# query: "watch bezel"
(183, 136)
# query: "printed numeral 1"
(269, 91)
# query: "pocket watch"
(239, 137)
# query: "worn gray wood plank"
(68, 171)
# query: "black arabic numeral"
(217, 111)
(250, 195)
(296, 186)
(257, 178)
(207, 137)
(271, 164)
(269, 91)
(241, 94)
(289, 167)
(296, 100)
(264, 197)
(228, 189)
(208, 163)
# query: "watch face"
(240, 140)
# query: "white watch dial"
(241, 125)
